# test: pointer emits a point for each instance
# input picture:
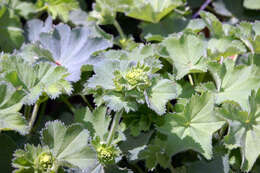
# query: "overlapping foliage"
(180, 92)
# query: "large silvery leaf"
(58, 8)
(234, 82)
(187, 54)
(193, 128)
(10, 30)
(72, 48)
(96, 122)
(35, 80)
(244, 129)
(151, 10)
(10, 105)
(69, 145)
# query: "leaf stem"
(114, 127)
(27, 110)
(34, 115)
(66, 101)
(87, 102)
(190, 79)
(42, 111)
(119, 29)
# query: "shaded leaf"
(10, 105)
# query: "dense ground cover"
(111, 86)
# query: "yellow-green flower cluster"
(135, 77)
(45, 162)
(106, 154)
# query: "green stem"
(179, 11)
(170, 107)
(34, 115)
(87, 102)
(66, 101)
(190, 79)
(27, 110)
(114, 127)
(201, 77)
(119, 29)
(42, 111)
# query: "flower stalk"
(114, 127)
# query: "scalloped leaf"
(151, 10)
(10, 105)
(69, 145)
(244, 129)
(234, 82)
(187, 54)
(193, 128)
(37, 79)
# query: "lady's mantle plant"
(168, 93)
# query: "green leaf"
(151, 10)
(187, 54)
(58, 8)
(163, 91)
(225, 47)
(97, 122)
(193, 128)
(11, 30)
(234, 82)
(173, 23)
(35, 80)
(243, 129)
(212, 22)
(10, 105)
(154, 154)
(142, 120)
(69, 145)
(252, 4)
